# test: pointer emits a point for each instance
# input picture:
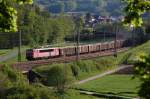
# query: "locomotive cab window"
(29, 50)
(47, 50)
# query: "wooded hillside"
(103, 7)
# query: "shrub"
(58, 76)
(75, 69)
(29, 92)
(105, 63)
(12, 74)
(85, 66)
(4, 81)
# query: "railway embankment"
(91, 67)
(28, 65)
(10, 55)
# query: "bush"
(4, 81)
(29, 92)
(12, 74)
(85, 66)
(75, 69)
(59, 76)
(105, 63)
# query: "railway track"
(28, 65)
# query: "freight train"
(45, 53)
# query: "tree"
(101, 7)
(61, 27)
(37, 28)
(88, 16)
(147, 25)
(8, 15)
(142, 71)
(71, 5)
(134, 10)
(78, 28)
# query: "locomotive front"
(29, 54)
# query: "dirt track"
(116, 70)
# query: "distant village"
(101, 19)
(92, 19)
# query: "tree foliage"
(103, 7)
(40, 28)
(134, 11)
(8, 15)
(142, 71)
(29, 92)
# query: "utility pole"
(104, 35)
(19, 46)
(132, 30)
(116, 31)
(103, 30)
(78, 43)
(133, 39)
(79, 24)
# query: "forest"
(39, 27)
(102, 7)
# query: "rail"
(26, 66)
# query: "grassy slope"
(5, 51)
(14, 59)
(125, 57)
(130, 55)
(144, 48)
(122, 85)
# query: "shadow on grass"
(108, 95)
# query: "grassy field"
(5, 51)
(121, 85)
(14, 59)
(73, 94)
